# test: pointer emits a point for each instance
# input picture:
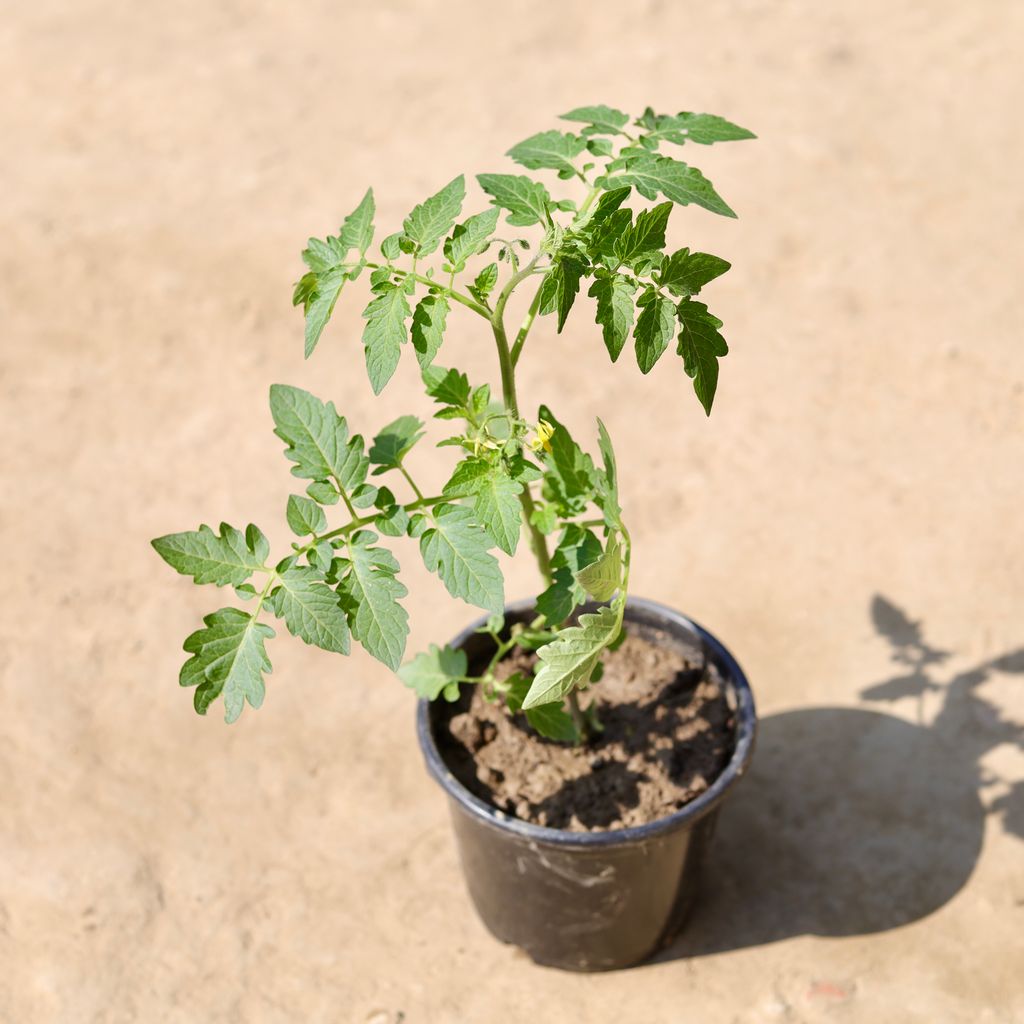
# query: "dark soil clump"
(668, 733)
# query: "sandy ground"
(161, 166)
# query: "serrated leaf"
(609, 491)
(428, 323)
(394, 442)
(652, 174)
(317, 438)
(561, 285)
(470, 238)
(484, 283)
(466, 477)
(526, 201)
(569, 476)
(429, 222)
(614, 295)
(369, 594)
(229, 658)
(557, 602)
(553, 722)
(602, 119)
(229, 558)
(700, 128)
(363, 496)
(645, 237)
(385, 333)
(603, 577)
(577, 548)
(552, 149)
(448, 387)
(320, 303)
(304, 515)
(685, 273)
(701, 346)
(311, 610)
(569, 659)
(497, 508)
(455, 546)
(357, 230)
(433, 670)
(654, 329)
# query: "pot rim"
(746, 727)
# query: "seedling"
(513, 472)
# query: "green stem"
(411, 482)
(465, 300)
(524, 330)
(578, 718)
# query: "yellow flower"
(543, 438)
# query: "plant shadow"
(853, 821)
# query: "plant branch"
(465, 300)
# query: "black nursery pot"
(589, 901)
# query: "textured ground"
(161, 165)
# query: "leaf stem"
(411, 482)
(465, 300)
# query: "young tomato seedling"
(513, 472)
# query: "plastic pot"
(589, 901)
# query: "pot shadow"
(853, 821)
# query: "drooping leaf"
(229, 558)
(614, 294)
(645, 237)
(651, 174)
(394, 442)
(570, 658)
(654, 329)
(448, 387)
(385, 333)
(320, 303)
(601, 120)
(455, 546)
(311, 610)
(701, 346)
(526, 201)
(685, 273)
(577, 548)
(229, 658)
(428, 323)
(569, 476)
(603, 577)
(557, 602)
(552, 149)
(304, 515)
(317, 438)
(565, 277)
(608, 489)
(470, 238)
(433, 219)
(433, 670)
(370, 592)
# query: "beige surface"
(161, 165)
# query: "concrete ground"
(849, 519)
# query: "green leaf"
(467, 477)
(428, 323)
(701, 346)
(357, 230)
(304, 515)
(363, 496)
(601, 119)
(391, 247)
(700, 128)
(614, 294)
(603, 577)
(485, 282)
(229, 658)
(369, 594)
(320, 305)
(432, 671)
(553, 722)
(552, 149)
(609, 490)
(311, 610)
(385, 333)
(526, 201)
(497, 508)
(685, 273)
(433, 219)
(568, 660)
(323, 492)
(470, 238)
(576, 548)
(455, 547)
(645, 237)
(516, 687)
(449, 387)
(557, 602)
(675, 180)
(394, 442)
(317, 438)
(569, 476)
(654, 329)
(230, 558)
(561, 286)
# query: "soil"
(667, 734)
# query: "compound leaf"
(675, 180)
(552, 149)
(470, 238)
(614, 294)
(228, 559)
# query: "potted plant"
(582, 811)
